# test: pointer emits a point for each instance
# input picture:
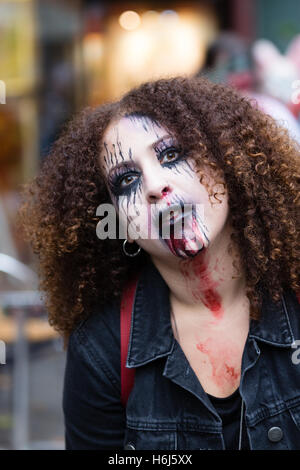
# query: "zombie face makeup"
(152, 179)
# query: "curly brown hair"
(247, 150)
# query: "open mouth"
(179, 230)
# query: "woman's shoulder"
(292, 297)
(292, 307)
(92, 384)
(104, 320)
(96, 339)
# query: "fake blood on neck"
(203, 287)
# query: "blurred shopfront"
(57, 56)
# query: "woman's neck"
(208, 285)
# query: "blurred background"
(59, 56)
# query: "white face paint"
(147, 172)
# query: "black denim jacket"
(168, 408)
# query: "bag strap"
(127, 301)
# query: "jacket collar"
(275, 324)
(151, 334)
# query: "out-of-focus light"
(139, 44)
(130, 20)
(150, 15)
(150, 20)
(93, 47)
(169, 14)
(165, 43)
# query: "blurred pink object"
(278, 111)
(293, 51)
(277, 74)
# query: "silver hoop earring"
(130, 254)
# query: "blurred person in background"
(56, 107)
(215, 313)
(260, 72)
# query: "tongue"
(185, 246)
(192, 246)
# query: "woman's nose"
(157, 191)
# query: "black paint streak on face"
(137, 192)
(122, 205)
(116, 158)
(119, 146)
(144, 123)
(192, 170)
(147, 122)
(108, 154)
(181, 164)
(106, 158)
(140, 118)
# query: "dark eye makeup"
(124, 179)
(127, 172)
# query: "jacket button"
(129, 446)
(275, 434)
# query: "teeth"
(192, 245)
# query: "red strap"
(127, 375)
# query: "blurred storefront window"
(146, 44)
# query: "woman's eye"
(126, 180)
(169, 156)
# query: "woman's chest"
(215, 355)
(216, 363)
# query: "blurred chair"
(19, 330)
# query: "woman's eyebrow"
(129, 162)
(167, 136)
(126, 164)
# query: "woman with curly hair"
(206, 187)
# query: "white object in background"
(279, 112)
(6, 243)
(20, 432)
(17, 270)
